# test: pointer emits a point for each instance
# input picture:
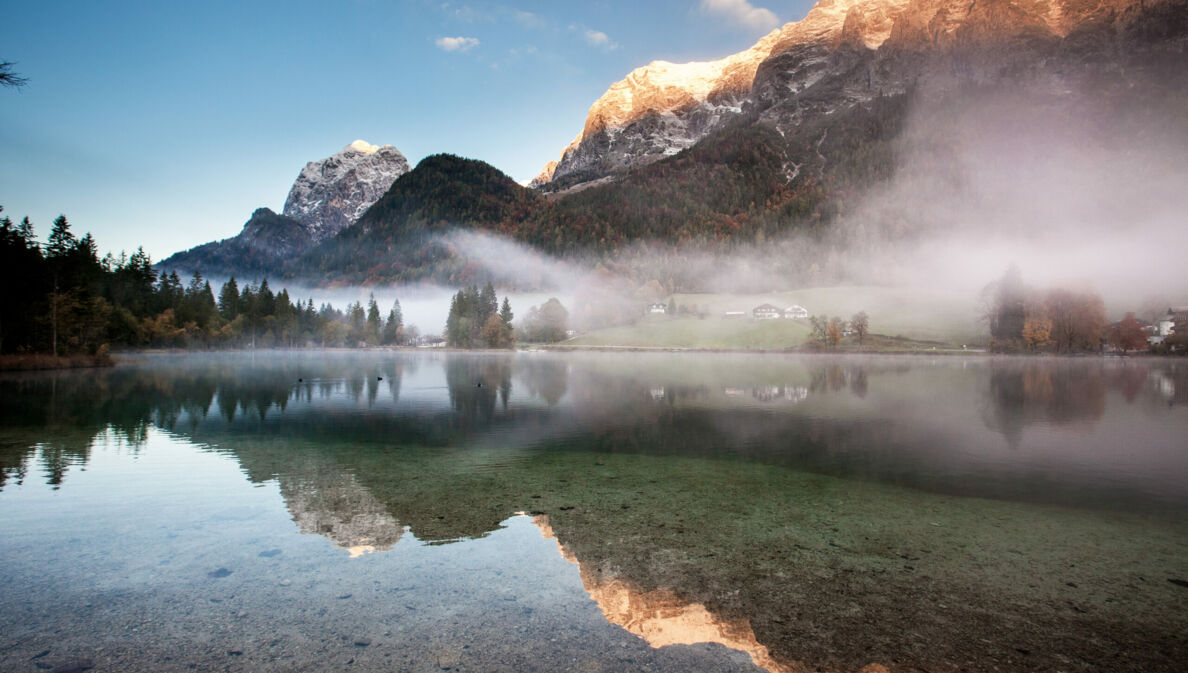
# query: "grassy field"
(710, 333)
(928, 316)
(913, 315)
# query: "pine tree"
(228, 300)
(505, 313)
(393, 327)
(26, 231)
(372, 330)
(488, 303)
(61, 241)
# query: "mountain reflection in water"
(661, 617)
(811, 512)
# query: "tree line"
(1060, 320)
(476, 320)
(61, 298)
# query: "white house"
(796, 312)
(766, 312)
(1166, 326)
(658, 307)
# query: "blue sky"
(166, 124)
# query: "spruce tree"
(228, 299)
(372, 330)
(506, 313)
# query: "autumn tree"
(1037, 331)
(1078, 319)
(1127, 334)
(834, 330)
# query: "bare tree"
(10, 78)
(860, 323)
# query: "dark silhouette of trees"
(61, 298)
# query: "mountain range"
(784, 137)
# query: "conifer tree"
(505, 313)
(373, 327)
(229, 300)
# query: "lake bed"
(542, 511)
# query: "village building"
(1166, 326)
(796, 312)
(766, 312)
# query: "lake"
(411, 511)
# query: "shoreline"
(32, 362)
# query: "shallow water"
(536, 511)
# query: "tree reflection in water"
(786, 507)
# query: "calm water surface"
(595, 512)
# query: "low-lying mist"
(1073, 192)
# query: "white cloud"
(743, 14)
(597, 38)
(528, 19)
(457, 43)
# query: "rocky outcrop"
(329, 195)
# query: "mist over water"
(362, 510)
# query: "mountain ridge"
(849, 52)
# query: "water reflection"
(661, 617)
(325, 500)
(812, 510)
(902, 421)
(1024, 393)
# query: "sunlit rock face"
(844, 52)
(545, 176)
(329, 195)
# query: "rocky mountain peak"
(685, 100)
(663, 108)
(329, 195)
